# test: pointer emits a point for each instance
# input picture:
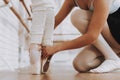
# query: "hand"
(47, 51)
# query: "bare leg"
(87, 59)
(81, 24)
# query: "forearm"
(64, 11)
(76, 43)
(59, 18)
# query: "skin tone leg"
(100, 44)
(87, 58)
(90, 57)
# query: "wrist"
(57, 48)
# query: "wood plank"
(59, 71)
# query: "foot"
(107, 66)
(35, 59)
(47, 52)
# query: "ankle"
(35, 46)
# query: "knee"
(80, 16)
(78, 68)
(74, 17)
(81, 66)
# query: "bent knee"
(74, 16)
(80, 15)
(81, 67)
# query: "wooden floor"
(59, 71)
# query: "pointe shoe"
(43, 60)
(45, 64)
(35, 61)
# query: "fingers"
(44, 52)
(47, 51)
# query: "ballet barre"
(17, 15)
(28, 12)
(24, 4)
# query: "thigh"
(87, 59)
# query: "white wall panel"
(9, 26)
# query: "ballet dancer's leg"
(47, 39)
(110, 56)
(90, 57)
(38, 24)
